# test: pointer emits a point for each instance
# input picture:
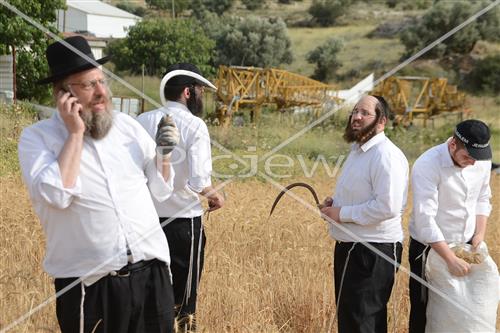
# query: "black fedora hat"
(63, 61)
(475, 136)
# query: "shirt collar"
(446, 160)
(371, 143)
(176, 105)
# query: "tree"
(484, 77)
(489, 24)
(30, 44)
(215, 6)
(326, 12)
(445, 16)
(158, 43)
(252, 41)
(325, 58)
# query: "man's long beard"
(97, 124)
(195, 104)
(361, 135)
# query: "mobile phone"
(67, 90)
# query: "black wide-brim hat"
(182, 74)
(64, 60)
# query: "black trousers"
(138, 302)
(366, 285)
(418, 292)
(183, 237)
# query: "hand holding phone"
(69, 109)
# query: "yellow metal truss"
(255, 87)
(423, 97)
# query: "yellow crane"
(423, 97)
(255, 87)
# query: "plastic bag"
(472, 300)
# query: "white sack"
(478, 292)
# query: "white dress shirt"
(89, 225)
(447, 198)
(372, 191)
(191, 160)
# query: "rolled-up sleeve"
(425, 180)
(389, 180)
(41, 172)
(159, 188)
(483, 206)
(199, 157)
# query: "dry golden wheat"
(260, 275)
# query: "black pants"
(366, 288)
(141, 301)
(418, 292)
(181, 241)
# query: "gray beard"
(97, 125)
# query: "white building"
(96, 17)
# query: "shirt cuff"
(483, 209)
(346, 214)
(198, 184)
(431, 235)
(53, 190)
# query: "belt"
(133, 267)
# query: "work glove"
(167, 135)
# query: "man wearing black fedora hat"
(91, 173)
(181, 93)
(451, 203)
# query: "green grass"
(13, 118)
(151, 88)
(359, 56)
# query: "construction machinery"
(412, 97)
(253, 87)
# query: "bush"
(218, 7)
(444, 17)
(133, 9)
(251, 41)
(485, 78)
(325, 58)
(326, 12)
(158, 43)
(253, 4)
(392, 28)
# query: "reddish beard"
(359, 135)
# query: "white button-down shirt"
(191, 160)
(372, 191)
(89, 225)
(447, 198)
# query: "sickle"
(289, 187)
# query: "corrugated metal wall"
(6, 78)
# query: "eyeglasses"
(362, 113)
(90, 84)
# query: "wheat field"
(260, 275)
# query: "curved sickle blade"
(289, 187)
